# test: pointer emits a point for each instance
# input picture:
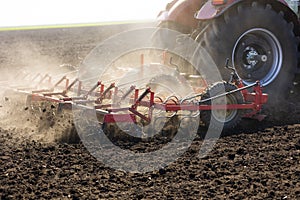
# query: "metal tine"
(103, 95)
(43, 79)
(60, 81)
(93, 89)
(131, 89)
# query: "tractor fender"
(182, 12)
(209, 11)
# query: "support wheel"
(217, 119)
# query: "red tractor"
(261, 38)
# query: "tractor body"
(261, 38)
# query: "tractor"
(261, 38)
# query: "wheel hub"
(224, 115)
(250, 58)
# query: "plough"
(107, 100)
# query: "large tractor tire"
(261, 44)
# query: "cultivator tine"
(44, 78)
(143, 95)
(113, 85)
(71, 85)
(36, 77)
(64, 78)
(131, 89)
(93, 89)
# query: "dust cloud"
(35, 71)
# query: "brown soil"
(258, 160)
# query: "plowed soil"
(258, 160)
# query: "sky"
(14, 13)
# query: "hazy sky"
(51, 12)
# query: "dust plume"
(31, 70)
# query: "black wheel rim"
(257, 55)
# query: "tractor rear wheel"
(261, 44)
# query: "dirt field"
(258, 160)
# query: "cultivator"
(141, 105)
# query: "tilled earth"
(258, 160)
(261, 164)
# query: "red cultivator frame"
(106, 101)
